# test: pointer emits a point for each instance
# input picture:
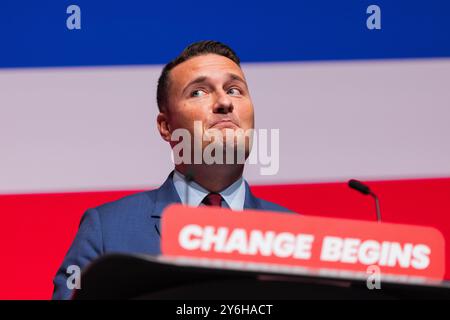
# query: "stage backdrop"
(78, 109)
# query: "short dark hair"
(193, 50)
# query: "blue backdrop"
(34, 33)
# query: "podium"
(214, 253)
(118, 276)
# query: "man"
(202, 91)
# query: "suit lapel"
(251, 202)
(165, 195)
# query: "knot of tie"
(213, 199)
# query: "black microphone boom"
(358, 185)
(361, 187)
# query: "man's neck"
(213, 178)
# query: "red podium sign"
(312, 242)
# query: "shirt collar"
(234, 195)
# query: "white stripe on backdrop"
(73, 129)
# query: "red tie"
(213, 199)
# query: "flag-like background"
(78, 111)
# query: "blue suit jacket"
(128, 225)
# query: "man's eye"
(234, 91)
(197, 93)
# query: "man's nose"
(223, 104)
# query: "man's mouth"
(224, 123)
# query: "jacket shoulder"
(126, 207)
(271, 206)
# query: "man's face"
(211, 89)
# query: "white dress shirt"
(233, 196)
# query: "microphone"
(364, 189)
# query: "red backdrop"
(36, 230)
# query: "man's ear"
(163, 126)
